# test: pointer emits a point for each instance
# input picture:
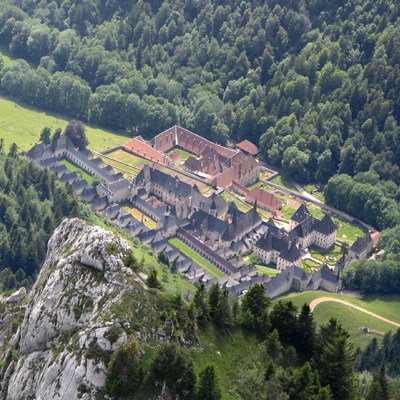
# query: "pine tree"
(305, 337)
(254, 310)
(208, 386)
(201, 303)
(223, 312)
(152, 280)
(379, 387)
(213, 298)
(336, 367)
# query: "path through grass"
(353, 320)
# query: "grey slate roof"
(301, 214)
(291, 254)
(326, 226)
(89, 194)
(361, 244)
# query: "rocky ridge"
(68, 331)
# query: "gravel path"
(320, 300)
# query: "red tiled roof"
(142, 149)
(240, 188)
(236, 173)
(154, 202)
(375, 237)
(277, 214)
(264, 198)
(177, 136)
(248, 147)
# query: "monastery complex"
(217, 230)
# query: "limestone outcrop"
(68, 331)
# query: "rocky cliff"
(70, 326)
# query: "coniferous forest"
(32, 204)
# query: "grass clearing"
(75, 168)
(284, 182)
(212, 269)
(348, 231)
(352, 319)
(184, 154)
(241, 205)
(271, 272)
(321, 255)
(150, 223)
(129, 172)
(124, 157)
(23, 124)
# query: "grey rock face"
(64, 338)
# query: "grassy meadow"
(22, 124)
(353, 320)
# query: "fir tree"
(208, 386)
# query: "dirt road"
(320, 300)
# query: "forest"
(32, 204)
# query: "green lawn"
(348, 231)
(127, 158)
(73, 167)
(22, 124)
(184, 154)
(271, 272)
(284, 182)
(287, 211)
(353, 320)
(241, 205)
(322, 255)
(212, 269)
(315, 211)
(308, 264)
(312, 189)
(129, 172)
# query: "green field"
(284, 182)
(22, 124)
(212, 269)
(348, 232)
(184, 154)
(271, 272)
(353, 320)
(124, 157)
(73, 167)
